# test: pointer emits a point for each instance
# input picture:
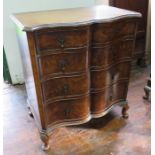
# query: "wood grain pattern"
(61, 39)
(142, 7)
(104, 99)
(106, 32)
(79, 72)
(106, 55)
(65, 87)
(69, 111)
(70, 17)
(109, 76)
(99, 136)
(61, 63)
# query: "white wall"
(99, 2)
(10, 39)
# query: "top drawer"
(109, 31)
(61, 38)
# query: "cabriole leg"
(124, 111)
(45, 139)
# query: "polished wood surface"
(65, 87)
(59, 38)
(60, 63)
(142, 7)
(106, 32)
(61, 112)
(70, 17)
(79, 72)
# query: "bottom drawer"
(67, 111)
(100, 101)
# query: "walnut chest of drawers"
(76, 63)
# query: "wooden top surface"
(70, 17)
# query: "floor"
(109, 135)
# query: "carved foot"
(45, 147)
(124, 111)
(45, 139)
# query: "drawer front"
(113, 94)
(60, 39)
(116, 51)
(118, 92)
(67, 111)
(73, 61)
(110, 31)
(65, 87)
(103, 78)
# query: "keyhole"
(112, 77)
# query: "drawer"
(65, 87)
(60, 39)
(112, 53)
(71, 61)
(109, 31)
(103, 78)
(102, 100)
(67, 111)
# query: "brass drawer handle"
(62, 64)
(61, 42)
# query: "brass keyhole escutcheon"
(61, 42)
(62, 65)
(65, 89)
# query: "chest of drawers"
(76, 63)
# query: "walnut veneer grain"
(77, 70)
